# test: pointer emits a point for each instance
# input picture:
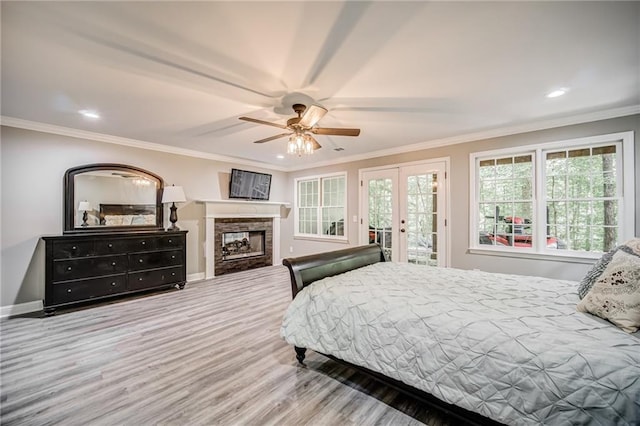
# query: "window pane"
(487, 169)
(590, 192)
(506, 205)
(321, 199)
(556, 187)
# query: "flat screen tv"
(249, 185)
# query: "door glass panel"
(422, 218)
(381, 213)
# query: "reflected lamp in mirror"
(173, 194)
(83, 206)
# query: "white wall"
(459, 184)
(33, 167)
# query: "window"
(321, 206)
(570, 197)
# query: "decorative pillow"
(112, 220)
(149, 219)
(631, 246)
(615, 296)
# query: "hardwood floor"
(209, 354)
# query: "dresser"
(93, 266)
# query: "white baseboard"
(195, 277)
(23, 308)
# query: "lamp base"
(173, 218)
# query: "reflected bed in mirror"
(110, 197)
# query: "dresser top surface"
(103, 235)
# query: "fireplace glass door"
(240, 245)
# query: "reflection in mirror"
(108, 196)
(115, 198)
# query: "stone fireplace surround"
(219, 211)
(242, 224)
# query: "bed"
(127, 214)
(486, 348)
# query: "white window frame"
(625, 184)
(319, 235)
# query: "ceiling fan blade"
(282, 135)
(254, 120)
(334, 131)
(312, 115)
(316, 145)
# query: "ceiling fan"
(300, 127)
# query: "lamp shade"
(173, 194)
(84, 206)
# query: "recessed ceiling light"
(89, 113)
(557, 92)
(280, 156)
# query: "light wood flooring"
(206, 355)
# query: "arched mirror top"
(109, 197)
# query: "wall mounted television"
(249, 185)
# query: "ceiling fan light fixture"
(300, 144)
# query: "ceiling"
(410, 75)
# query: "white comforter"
(509, 347)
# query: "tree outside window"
(554, 197)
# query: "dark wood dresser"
(93, 266)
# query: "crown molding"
(485, 134)
(117, 140)
(435, 143)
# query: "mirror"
(109, 197)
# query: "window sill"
(571, 257)
(343, 240)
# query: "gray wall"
(459, 184)
(33, 167)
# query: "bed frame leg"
(300, 354)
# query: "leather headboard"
(307, 269)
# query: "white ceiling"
(417, 73)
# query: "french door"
(403, 208)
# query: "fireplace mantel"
(225, 209)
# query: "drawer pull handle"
(170, 240)
(139, 279)
(110, 245)
(113, 284)
(173, 257)
(68, 268)
(173, 274)
(74, 248)
(113, 263)
(140, 260)
(143, 242)
(68, 290)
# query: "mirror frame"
(69, 200)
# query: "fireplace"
(242, 244)
(241, 216)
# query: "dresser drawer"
(155, 278)
(70, 249)
(142, 243)
(64, 270)
(171, 241)
(105, 247)
(156, 259)
(73, 291)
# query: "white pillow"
(615, 296)
(112, 220)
